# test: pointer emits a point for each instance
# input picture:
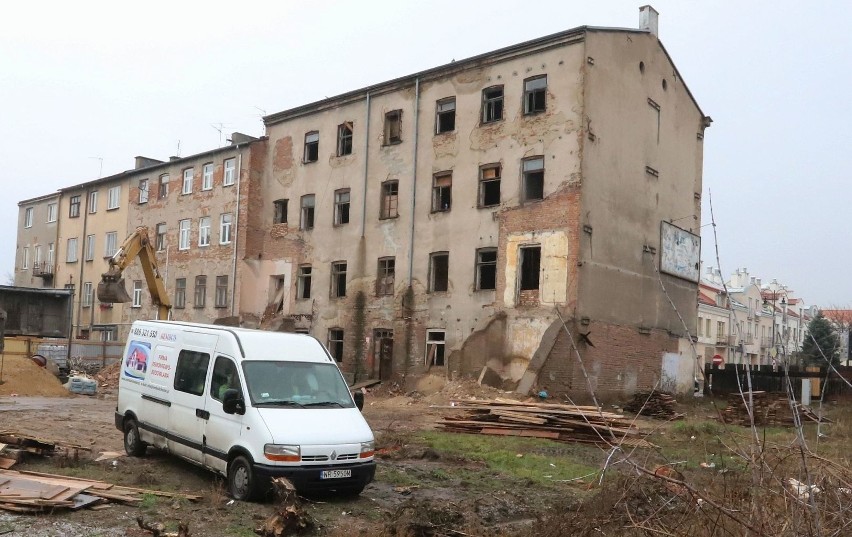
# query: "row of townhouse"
(744, 320)
(437, 221)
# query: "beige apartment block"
(35, 250)
(442, 222)
(192, 207)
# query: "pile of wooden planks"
(34, 492)
(14, 446)
(655, 404)
(771, 409)
(564, 423)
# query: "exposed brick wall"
(528, 298)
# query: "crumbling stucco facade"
(594, 139)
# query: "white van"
(247, 404)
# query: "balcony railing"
(766, 342)
(43, 269)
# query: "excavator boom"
(111, 288)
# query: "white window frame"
(143, 190)
(137, 294)
(71, 251)
(50, 253)
(207, 176)
(110, 243)
(229, 177)
(25, 260)
(87, 294)
(188, 176)
(114, 198)
(89, 248)
(435, 343)
(204, 231)
(28, 217)
(51, 213)
(226, 228)
(36, 256)
(183, 234)
(93, 202)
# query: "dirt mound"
(108, 376)
(23, 377)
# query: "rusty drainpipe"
(366, 169)
(414, 181)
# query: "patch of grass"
(149, 501)
(540, 461)
(395, 476)
(240, 531)
(697, 428)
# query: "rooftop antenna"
(178, 149)
(101, 170)
(219, 127)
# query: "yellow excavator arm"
(111, 288)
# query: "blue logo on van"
(137, 360)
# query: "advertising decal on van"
(138, 357)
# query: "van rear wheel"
(242, 483)
(133, 444)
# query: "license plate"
(335, 474)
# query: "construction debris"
(16, 446)
(158, 529)
(655, 404)
(35, 492)
(563, 423)
(289, 518)
(771, 409)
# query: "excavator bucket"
(110, 291)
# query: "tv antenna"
(101, 169)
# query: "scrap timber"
(563, 423)
(769, 409)
(659, 405)
(34, 492)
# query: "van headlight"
(282, 452)
(368, 449)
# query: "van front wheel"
(133, 444)
(242, 483)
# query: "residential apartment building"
(435, 222)
(35, 251)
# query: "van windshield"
(296, 385)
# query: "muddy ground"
(414, 481)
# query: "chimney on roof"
(144, 162)
(173, 158)
(649, 20)
(238, 138)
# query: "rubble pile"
(23, 377)
(655, 404)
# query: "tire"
(133, 444)
(242, 482)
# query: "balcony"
(748, 339)
(726, 341)
(43, 269)
(766, 342)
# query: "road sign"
(718, 360)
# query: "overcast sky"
(85, 84)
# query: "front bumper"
(307, 478)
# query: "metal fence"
(95, 353)
(733, 377)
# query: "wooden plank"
(533, 433)
(5, 463)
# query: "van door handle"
(203, 414)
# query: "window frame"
(180, 293)
(25, 260)
(184, 232)
(229, 173)
(74, 207)
(440, 113)
(93, 202)
(439, 204)
(226, 228)
(143, 191)
(307, 213)
(137, 294)
(110, 240)
(28, 217)
(522, 249)
(86, 298)
(345, 137)
(436, 343)
(205, 231)
(434, 285)
(393, 127)
(530, 93)
(114, 198)
(51, 212)
(339, 213)
(336, 343)
(338, 279)
(160, 238)
(220, 299)
(480, 264)
(163, 186)
(311, 149)
(200, 292)
(490, 110)
(526, 175)
(71, 253)
(483, 183)
(304, 278)
(188, 179)
(386, 276)
(200, 363)
(207, 176)
(389, 202)
(280, 208)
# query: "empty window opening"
(311, 146)
(533, 178)
(344, 139)
(338, 279)
(280, 216)
(180, 293)
(303, 283)
(442, 187)
(486, 269)
(435, 345)
(143, 191)
(439, 272)
(307, 221)
(383, 352)
(163, 187)
(530, 267)
(446, 115)
(161, 237)
(335, 343)
(200, 291)
(489, 186)
(341, 206)
(393, 127)
(385, 276)
(390, 200)
(492, 104)
(221, 292)
(535, 95)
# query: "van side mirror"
(233, 402)
(359, 399)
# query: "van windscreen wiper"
(279, 402)
(324, 403)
